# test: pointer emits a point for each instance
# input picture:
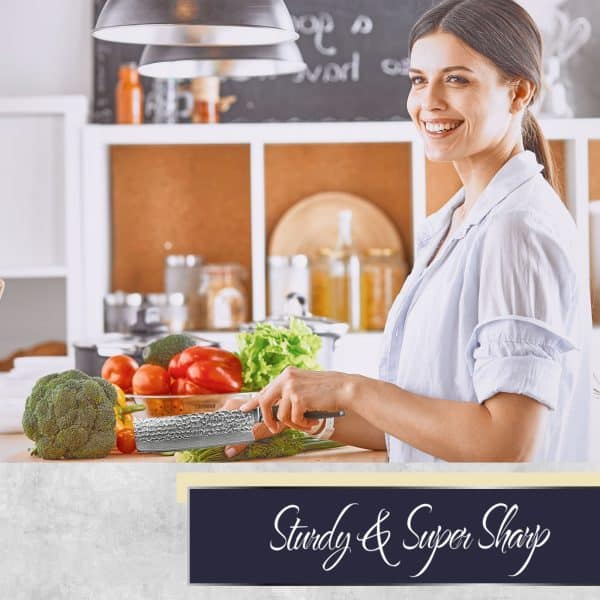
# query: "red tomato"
(207, 354)
(119, 370)
(126, 441)
(183, 387)
(215, 377)
(151, 379)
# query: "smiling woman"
(486, 352)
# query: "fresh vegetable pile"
(268, 350)
(71, 415)
(286, 443)
(174, 367)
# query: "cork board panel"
(379, 173)
(558, 154)
(443, 181)
(594, 151)
(177, 200)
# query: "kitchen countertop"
(13, 448)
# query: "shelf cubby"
(379, 173)
(177, 199)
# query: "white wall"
(45, 47)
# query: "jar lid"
(299, 260)
(134, 299)
(155, 299)
(176, 299)
(329, 253)
(382, 251)
(115, 299)
(224, 269)
(320, 325)
(184, 260)
(296, 260)
(278, 261)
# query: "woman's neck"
(478, 170)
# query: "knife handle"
(314, 414)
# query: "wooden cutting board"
(312, 223)
(343, 454)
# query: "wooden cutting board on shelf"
(312, 223)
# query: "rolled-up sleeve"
(526, 303)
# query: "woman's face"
(458, 100)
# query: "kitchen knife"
(204, 430)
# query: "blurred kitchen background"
(135, 231)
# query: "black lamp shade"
(195, 22)
(185, 62)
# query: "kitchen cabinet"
(40, 200)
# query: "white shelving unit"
(98, 139)
(40, 204)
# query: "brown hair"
(503, 32)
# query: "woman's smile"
(440, 128)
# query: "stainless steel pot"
(91, 355)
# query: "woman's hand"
(296, 391)
(260, 430)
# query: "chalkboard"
(356, 52)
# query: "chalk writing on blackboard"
(355, 50)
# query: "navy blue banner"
(385, 536)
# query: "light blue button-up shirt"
(503, 307)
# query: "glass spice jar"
(222, 296)
(335, 286)
(383, 273)
(336, 277)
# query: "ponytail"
(534, 140)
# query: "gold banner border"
(185, 481)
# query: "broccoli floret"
(71, 415)
(108, 387)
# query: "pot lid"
(110, 344)
(295, 307)
(320, 325)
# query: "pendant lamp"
(195, 22)
(187, 62)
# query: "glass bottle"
(206, 92)
(129, 96)
(335, 279)
(383, 273)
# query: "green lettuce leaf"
(268, 350)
